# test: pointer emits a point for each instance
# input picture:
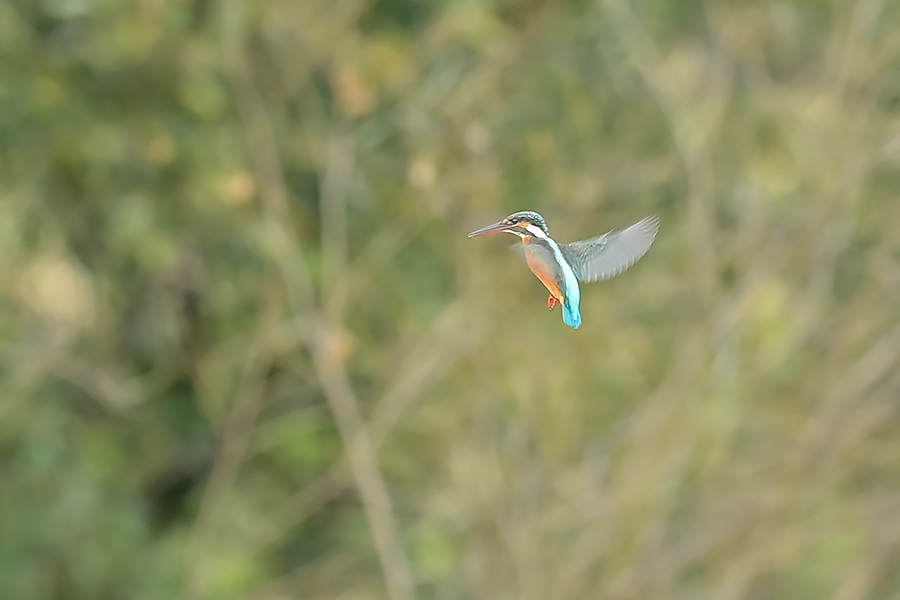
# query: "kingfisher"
(560, 266)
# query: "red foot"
(552, 302)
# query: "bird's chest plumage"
(544, 270)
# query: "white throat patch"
(536, 231)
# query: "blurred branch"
(337, 174)
(364, 467)
(234, 442)
(856, 44)
(323, 339)
(425, 365)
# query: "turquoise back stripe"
(572, 304)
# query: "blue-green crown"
(531, 217)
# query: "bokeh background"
(249, 353)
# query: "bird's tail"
(571, 314)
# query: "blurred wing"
(609, 254)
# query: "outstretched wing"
(609, 254)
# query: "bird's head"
(524, 224)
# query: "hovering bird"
(561, 266)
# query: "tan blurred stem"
(322, 343)
(425, 365)
(337, 173)
(363, 466)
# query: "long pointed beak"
(494, 228)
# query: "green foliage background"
(248, 351)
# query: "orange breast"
(545, 274)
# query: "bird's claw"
(552, 302)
